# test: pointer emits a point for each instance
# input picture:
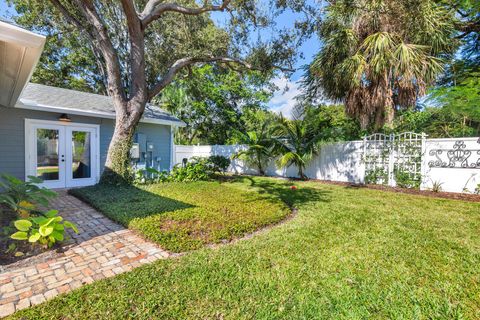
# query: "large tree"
(213, 101)
(379, 56)
(140, 46)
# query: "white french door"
(62, 155)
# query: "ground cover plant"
(184, 216)
(26, 227)
(349, 253)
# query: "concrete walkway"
(102, 249)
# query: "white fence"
(452, 162)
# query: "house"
(59, 135)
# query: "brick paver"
(101, 249)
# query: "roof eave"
(31, 105)
(32, 46)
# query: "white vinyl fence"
(452, 162)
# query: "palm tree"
(379, 56)
(259, 148)
(297, 142)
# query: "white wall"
(338, 162)
(453, 179)
(343, 162)
(237, 166)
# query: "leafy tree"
(297, 142)
(436, 122)
(462, 98)
(260, 147)
(379, 56)
(140, 46)
(212, 102)
(332, 121)
(67, 60)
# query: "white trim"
(30, 150)
(172, 149)
(20, 36)
(31, 45)
(31, 105)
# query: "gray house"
(59, 135)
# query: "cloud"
(283, 100)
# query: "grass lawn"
(348, 254)
(185, 216)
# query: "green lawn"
(349, 254)
(185, 216)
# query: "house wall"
(12, 138)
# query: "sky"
(283, 99)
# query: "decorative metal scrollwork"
(458, 157)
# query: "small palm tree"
(259, 148)
(296, 144)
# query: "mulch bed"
(426, 193)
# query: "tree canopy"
(215, 103)
(380, 56)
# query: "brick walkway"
(102, 249)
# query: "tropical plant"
(380, 56)
(296, 143)
(23, 196)
(46, 229)
(259, 147)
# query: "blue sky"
(283, 99)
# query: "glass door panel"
(48, 154)
(81, 155)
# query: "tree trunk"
(260, 169)
(117, 166)
(300, 173)
(259, 164)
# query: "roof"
(53, 99)
(20, 50)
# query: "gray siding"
(159, 135)
(12, 138)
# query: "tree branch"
(155, 8)
(138, 89)
(468, 27)
(184, 62)
(100, 34)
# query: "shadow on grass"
(125, 203)
(281, 189)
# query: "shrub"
(405, 179)
(46, 229)
(23, 196)
(375, 176)
(149, 176)
(219, 163)
(196, 169)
